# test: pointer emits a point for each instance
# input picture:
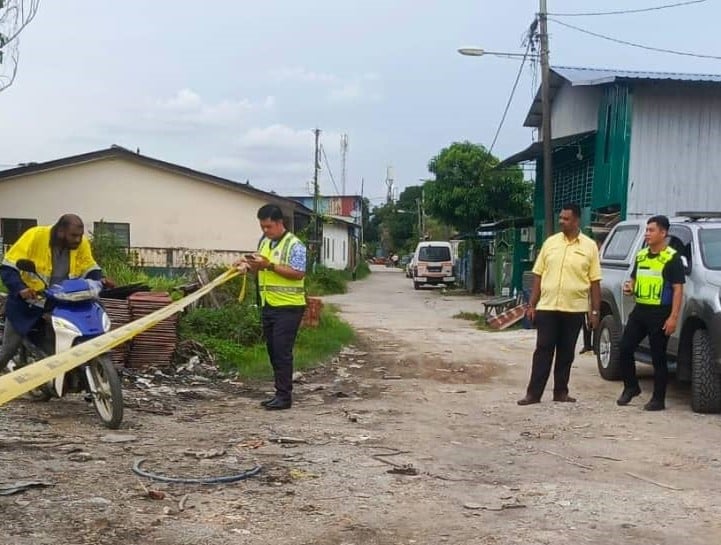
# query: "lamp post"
(545, 107)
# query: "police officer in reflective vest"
(657, 286)
(280, 263)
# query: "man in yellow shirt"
(566, 269)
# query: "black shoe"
(528, 400)
(278, 405)
(265, 402)
(654, 405)
(627, 395)
(586, 349)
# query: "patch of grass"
(312, 347)
(480, 321)
(472, 316)
(362, 271)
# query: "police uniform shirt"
(673, 273)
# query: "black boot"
(627, 395)
(654, 405)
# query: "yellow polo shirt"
(567, 268)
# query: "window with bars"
(11, 229)
(573, 182)
(120, 232)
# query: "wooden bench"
(494, 307)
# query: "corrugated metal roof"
(598, 76)
(581, 76)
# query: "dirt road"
(467, 465)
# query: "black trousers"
(557, 333)
(280, 328)
(644, 322)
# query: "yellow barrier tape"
(26, 378)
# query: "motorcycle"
(73, 314)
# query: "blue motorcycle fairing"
(87, 316)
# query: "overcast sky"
(236, 87)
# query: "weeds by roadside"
(480, 321)
(232, 336)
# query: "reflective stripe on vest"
(275, 290)
(649, 276)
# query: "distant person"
(280, 264)
(657, 285)
(566, 270)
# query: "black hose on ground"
(201, 480)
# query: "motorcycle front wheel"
(108, 394)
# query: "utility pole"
(546, 129)
(343, 154)
(316, 198)
(389, 184)
(420, 220)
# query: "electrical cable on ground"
(628, 11)
(632, 44)
(201, 480)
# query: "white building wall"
(336, 250)
(675, 164)
(164, 209)
(574, 110)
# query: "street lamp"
(480, 52)
(545, 108)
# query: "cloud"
(352, 88)
(187, 109)
(273, 155)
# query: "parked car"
(433, 264)
(694, 350)
(410, 266)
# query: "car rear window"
(621, 243)
(434, 254)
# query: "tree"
(467, 188)
(394, 226)
(15, 15)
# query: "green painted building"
(628, 144)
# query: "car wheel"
(705, 381)
(608, 348)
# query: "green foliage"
(362, 271)
(312, 347)
(395, 225)
(325, 281)
(236, 322)
(468, 190)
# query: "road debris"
(286, 440)
(118, 438)
(193, 480)
(205, 454)
(156, 494)
(651, 481)
(8, 489)
(567, 459)
(80, 457)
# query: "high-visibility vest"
(649, 276)
(34, 245)
(275, 290)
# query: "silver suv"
(694, 350)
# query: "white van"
(433, 264)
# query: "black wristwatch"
(271, 267)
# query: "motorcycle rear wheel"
(108, 397)
(26, 356)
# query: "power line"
(632, 44)
(327, 165)
(510, 98)
(627, 11)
